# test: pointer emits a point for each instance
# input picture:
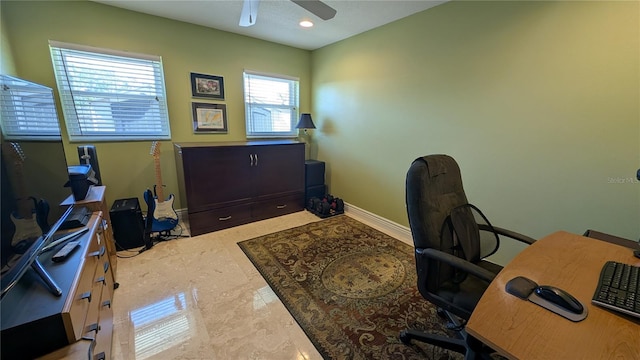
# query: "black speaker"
(88, 155)
(318, 191)
(313, 173)
(128, 224)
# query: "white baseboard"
(182, 213)
(388, 227)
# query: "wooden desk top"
(95, 194)
(520, 329)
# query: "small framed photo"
(210, 118)
(207, 86)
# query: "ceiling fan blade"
(249, 12)
(318, 8)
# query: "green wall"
(6, 55)
(537, 101)
(127, 167)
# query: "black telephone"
(78, 217)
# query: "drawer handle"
(93, 327)
(256, 157)
(225, 218)
(105, 266)
(102, 280)
(107, 303)
(281, 206)
(98, 253)
(86, 295)
(250, 159)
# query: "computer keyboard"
(619, 288)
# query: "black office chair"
(451, 239)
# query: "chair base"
(467, 345)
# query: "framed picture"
(209, 118)
(207, 86)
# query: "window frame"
(90, 111)
(250, 107)
(27, 110)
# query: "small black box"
(313, 173)
(79, 181)
(128, 224)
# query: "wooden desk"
(96, 201)
(520, 329)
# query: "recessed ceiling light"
(306, 23)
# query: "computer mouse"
(560, 297)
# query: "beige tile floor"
(201, 298)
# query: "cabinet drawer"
(212, 220)
(105, 332)
(279, 206)
(82, 298)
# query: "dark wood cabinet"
(229, 184)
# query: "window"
(110, 95)
(28, 110)
(271, 105)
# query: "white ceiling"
(277, 20)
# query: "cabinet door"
(217, 176)
(279, 170)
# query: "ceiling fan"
(250, 10)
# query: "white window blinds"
(110, 95)
(28, 110)
(271, 105)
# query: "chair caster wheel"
(404, 338)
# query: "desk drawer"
(82, 297)
(212, 220)
(279, 206)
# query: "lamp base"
(305, 137)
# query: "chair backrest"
(433, 190)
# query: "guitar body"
(164, 216)
(29, 216)
(26, 228)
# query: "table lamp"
(305, 123)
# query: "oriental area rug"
(351, 288)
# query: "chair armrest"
(508, 233)
(457, 262)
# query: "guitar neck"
(159, 191)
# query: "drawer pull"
(281, 206)
(101, 356)
(250, 159)
(256, 157)
(105, 266)
(98, 253)
(106, 303)
(102, 280)
(225, 218)
(93, 327)
(86, 295)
